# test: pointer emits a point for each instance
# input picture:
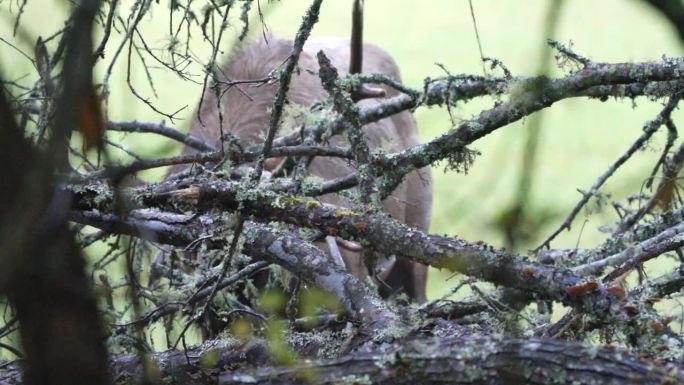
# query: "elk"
(246, 112)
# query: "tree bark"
(428, 360)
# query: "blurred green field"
(580, 138)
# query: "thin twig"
(649, 129)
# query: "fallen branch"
(433, 360)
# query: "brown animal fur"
(247, 118)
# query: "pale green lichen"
(297, 116)
(328, 343)
(346, 214)
(354, 380)
(307, 233)
(103, 195)
(521, 88)
(279, 278)
(246, 192)
(287, 201)
(311, 183)
(349, 82)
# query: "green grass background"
(580, 138)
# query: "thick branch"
(302, 259)
(433, 360)
(383, 233)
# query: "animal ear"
(273, 165)
(356, 44)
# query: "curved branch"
(161, 129)
(531, 95)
